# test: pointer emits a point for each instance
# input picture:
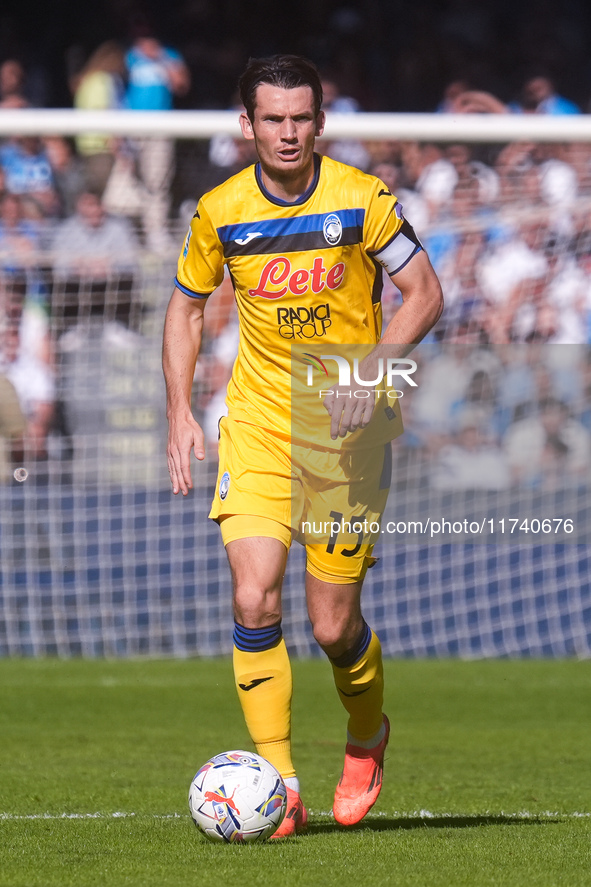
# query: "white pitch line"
(14, 816)
(416, 814)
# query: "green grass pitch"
(488, 776)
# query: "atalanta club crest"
(224, 485)
(332, 229)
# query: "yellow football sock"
(264, 686)
(361, 687)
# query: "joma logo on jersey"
(277, 278)
(304, 322)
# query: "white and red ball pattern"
(237, 796)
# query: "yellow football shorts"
(329, 500)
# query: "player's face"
(284, 129)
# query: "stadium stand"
(99, 559)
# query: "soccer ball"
(237, 796)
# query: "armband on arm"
(400, 249)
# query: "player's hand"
(184, 435)
(350, 407)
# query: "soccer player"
(303, 232)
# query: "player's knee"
(335, 634)
(255, 607)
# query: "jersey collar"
(302, 199)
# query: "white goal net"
(488, 551)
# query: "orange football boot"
(295, 819)
(361, 780)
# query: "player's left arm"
(422, 304)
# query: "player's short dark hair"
(285, 71)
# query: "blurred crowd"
(490, 417)
(389, 56)
(507, 227)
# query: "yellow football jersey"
(307, 273)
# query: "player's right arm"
(200, 271)
(183, 329)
